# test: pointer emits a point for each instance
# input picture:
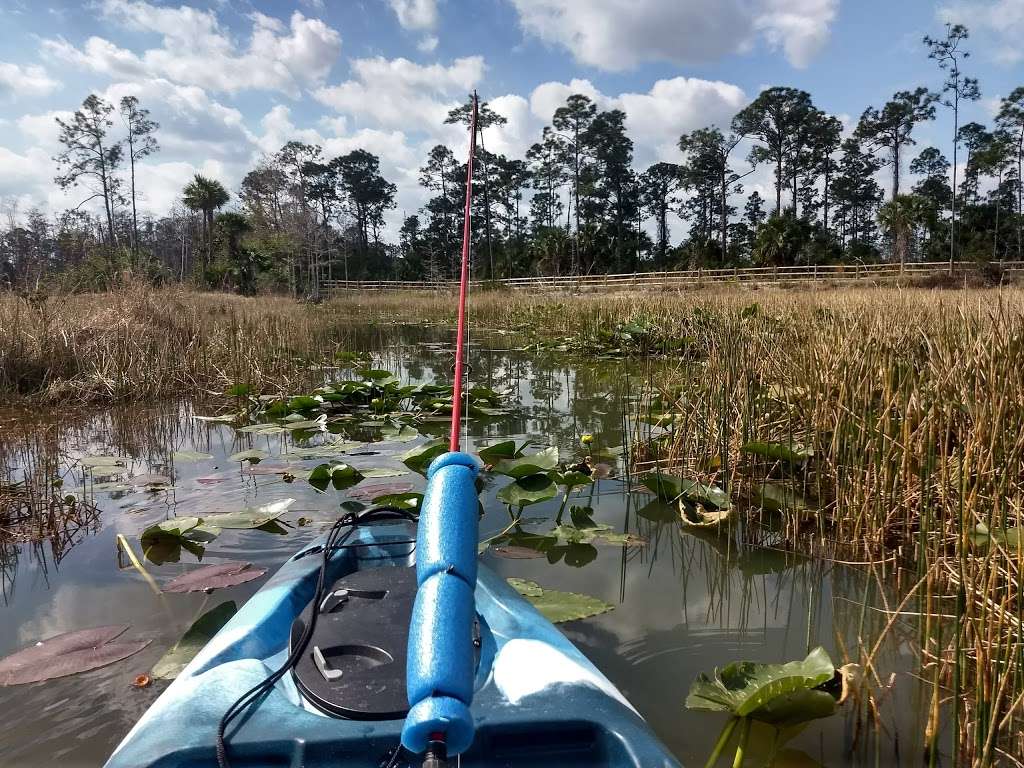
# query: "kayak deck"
(538, 701)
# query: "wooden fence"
(691, 278)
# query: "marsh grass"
(911, 399)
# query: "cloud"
(397, 92)
(197, 51)
(428, 44)
(415, 14)
(998, 22)
(29, 80)
(615, 35)
(654, 119)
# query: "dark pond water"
(683, 604)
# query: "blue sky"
(232, 80)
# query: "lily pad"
(524, 466)
(558, 607)
(403, 434)
(175, 528)
(411, 500)
(383, 472)
(262, 429)
(780, 694)
(791, 453)
(68, 654)
(418, 458)
(253, 456)
(193, 641)
(226, 418)
(250, 517)
(340, 475)
(190, 456)
(1011, 537)
(777, 498)
(696, 516)
(531, 489)
(670, 488)
(211, 577)
(96, 462)
(570, 479)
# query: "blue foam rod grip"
(449, 716)
(440, 661)
(446, 539)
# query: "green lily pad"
(1011, 537)
(570, 479)
(193, 641)
(403, 434)
(791, 453)
(262, 429)
(175, 528)
(250, 517)
(103, 462)
(531, 489)
(418, 458)
(340, 475)
(781, 694)
(670, 488)
(410, 500)
(558, 607)
(190, 456)
(533, 464)
(383, 472)
(253, 456)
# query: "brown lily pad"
(68, 654)
(211, 577)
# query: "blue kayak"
(537, 700)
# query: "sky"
(232, 80)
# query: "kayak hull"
(538, 701)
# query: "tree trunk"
(135, 217)
(778, 186)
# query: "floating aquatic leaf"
(250, 517)
(1011, 537)
(558, 607)
(403, 434)
(694, 515)
(401, 500)
(418, 458)
(375, 490)
(383, 472)
(781, 694)
(262, 429)
(238, 390)
(340, 475)
(212, 577)
(174, 528)
(104, 462)
(776, 497)
(375, 374)
(792, 453)
(670, 488)
(304, 403)
(149, 480)
(324, 450)
(68, 654)
(658, 511)
(533, 464)
(308, 424)
(253, 456)
(528, 490)
(492, 454)
(570, 479)
(193, 641)
(226, 418)
(190, 456)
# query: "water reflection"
(684, 602)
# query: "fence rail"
(689, 278)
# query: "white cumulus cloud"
(196, 50)
(999, 23)
(415, 14)
(24, 80)
(399, 92)
(619, 34)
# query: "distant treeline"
(574, 204)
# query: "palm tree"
(899, 217)
(206, 195)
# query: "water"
(683, 604)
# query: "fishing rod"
(441, 663)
